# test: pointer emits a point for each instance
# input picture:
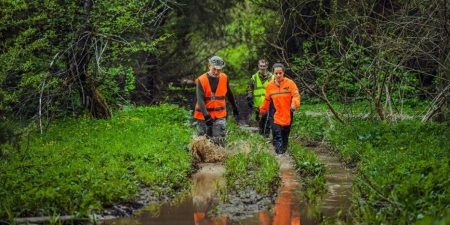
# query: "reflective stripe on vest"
(280, 93)
(215, 102)
(259, 89)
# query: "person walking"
(256, 93)
(283, 96)
(212, 90)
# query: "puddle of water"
(289, 208)
(190, 211)
(339, 184)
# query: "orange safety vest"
(282, 96)
(215, 102)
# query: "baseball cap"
(217, 62)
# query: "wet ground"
(288, 207)
(202, 206)
(339, 184)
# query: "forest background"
(66, 59)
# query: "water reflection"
(204, 193)
(289, 208)
(286, 211)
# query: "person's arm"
(295, 103)
(250, 88)
(201, 98)
(266, 103)
(230, 97)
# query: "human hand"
(293, 108)
(208, 121)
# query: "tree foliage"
(388, 51)
(62, 56)
(65, 57)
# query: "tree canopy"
(64, 58)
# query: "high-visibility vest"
(260, 89)
(282, 96)
(215, 102)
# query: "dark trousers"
(264, 124)
(280, 137)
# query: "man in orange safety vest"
(212, 90)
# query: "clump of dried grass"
(204, 150)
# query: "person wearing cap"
(255, 95)
(283, 96)
(212, 90)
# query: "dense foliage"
(373, 63)
(58, 61)
(98, 55)
(81, 166)
(400, 167)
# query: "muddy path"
(339, 183)
(203, 206)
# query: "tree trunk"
(79, 59)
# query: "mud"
(203, 206)
(204, 151)
(243, 207)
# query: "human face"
(279, 74)
(262, 68)
(213, 71)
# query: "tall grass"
(254, 166)
(80, 166)
(401, 167)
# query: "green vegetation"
(254, 166)
(402, 172)
(258, 170)
(311, 170)
(363, 65)
(311, 128)
(401, 168)
(239, 86)
(80, 166)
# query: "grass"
(253, 166)
(401, 167)
(80, 166)
(311, 170)
(258, 170)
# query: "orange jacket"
(282, 96)
(215, 102)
